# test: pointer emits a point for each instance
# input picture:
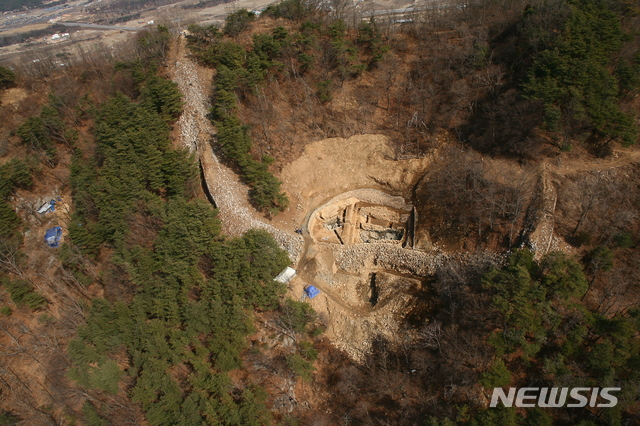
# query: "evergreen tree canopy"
(192, 291)
(572, 76)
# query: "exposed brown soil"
(13, 96)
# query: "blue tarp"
(311, 291)
(52, 237)
(53, 204)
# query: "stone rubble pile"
(388, 256)
(230, 195)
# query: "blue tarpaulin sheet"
(311, 291)
(53, 235)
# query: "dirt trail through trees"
(620, 157)
(542, 237)
(196, 132)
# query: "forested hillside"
(179, 297)
(147, 314)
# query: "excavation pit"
(363, 216)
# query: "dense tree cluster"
(14, 174)
(180, 321)
(569, 68)
(7, 78)
(41, 133)
(237, 22)
(23, 294)
(553, 339)
(135, 167)
(571, 75)
(192, 292)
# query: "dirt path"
(543, 238)
(619, 158)
(196, 132)
(325, 289)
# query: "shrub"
(91, 415)
(297, 315)
(8, 419)
(34, 134)
(580, 239)
(324, 90)
(13, 174)
(7, 78)
(9, 221)
(155, 43)
(23, 294)
(497, 376)
(316, 331)
(300, 366)
(238, 21)
(294, 10)
(624, 240)
(106, 377)
(41, 132)
(600, 259)
(162, 96)
(306, 61)
(308, 351)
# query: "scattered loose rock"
(196, 134)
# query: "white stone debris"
(231, 195)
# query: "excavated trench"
(348, 219)
(376, 226)
(373, 289)
(205, 187)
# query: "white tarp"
(46, 207)
(286, 275)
